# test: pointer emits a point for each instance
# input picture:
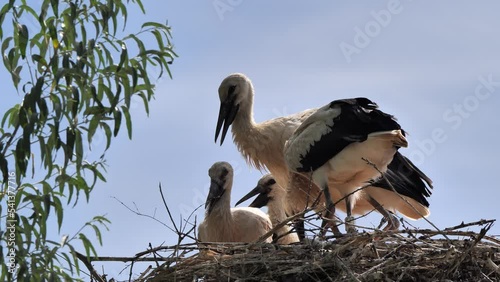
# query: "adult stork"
(411, 184)
(262, 144)
(223, 223)
(334, 144)
(270, 194)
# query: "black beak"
(215, 193)
(227, 113)
(261, 200)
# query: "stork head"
(221, 181)
(233, 91)
(266, 189)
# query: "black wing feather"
(406, 179)
(358, 117)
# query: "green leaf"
(107, 131)
(89, 248)
(134, 78)
(47, 202)
(23, 39)
(94, 122)
(6, 59)
(4, 167)
(146, 101)
(39, 60)
(75, 101)
(118, 119)
(123, 57)
(3, 12)
(153, 24)
(16, 75)
(75, 258)
(70, 143)
(78, 150)
(59, 211)
(55, 6)
(68, 262)
(95, 111)
(139, 2)
(11, 115)
(128, 121)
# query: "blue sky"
(427, 65)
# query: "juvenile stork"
(223, 223)
(270, 194)
(334, 143)
(262, 144)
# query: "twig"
(467, 251)
(462, 225)
(168, 210)
(89, 266)
(137, 212)
(374, 268)
(281, 224)
(130, 259)
(394, 190)
(141, 276)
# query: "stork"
(270, 194)
(225, 224)
(412, 185)
(412, 188)
(333, 144)
(262, 144)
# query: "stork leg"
(329, 220)
(392, 221)
(384, 220)
(349, 220)
(299, 228)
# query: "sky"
(435, 66)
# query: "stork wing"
(406, 179)
(333, 127)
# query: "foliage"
(78, 74)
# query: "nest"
(406, 255)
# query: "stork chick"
(273, 196)
(223, 223)
(332, 144)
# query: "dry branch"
(404, 255)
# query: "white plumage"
(223, 223)
(262, 145)
(333, 143)
(270, 194)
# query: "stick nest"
(407, 255)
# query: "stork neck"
(244, 122)
(276, 212)
(222, 210)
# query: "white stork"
(223, 223)
(262, 144)
(334, 143)
(270, 194)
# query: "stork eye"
(271, 182)
(224, 173)
(231, 89)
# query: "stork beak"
(227, 113)
(215, 193)
(261, 200)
